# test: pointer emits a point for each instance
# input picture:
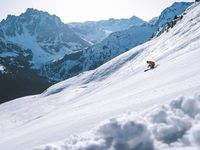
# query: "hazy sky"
(83, 10)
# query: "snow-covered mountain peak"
(32, 12)
(41, 17)
(45, 35)
(168, 14)
(136, 20)
(33, 20)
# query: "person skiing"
(151, 64)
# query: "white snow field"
(143, 118)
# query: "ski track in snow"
(120, 86)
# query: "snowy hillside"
(118, 87)
(95, 32)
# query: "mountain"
(154, 110)
(17, 77)
(49, 51)
(153, 20)
(27, 42)
(98, 54)
(96, 31)
(64, 68)
(119, 42)
(115, 44)
(44, 34)
(169, 13)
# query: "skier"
(151, 64)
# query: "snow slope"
(78, 104)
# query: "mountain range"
(115, 44)
(38, 49)
(96, 31)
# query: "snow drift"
(163, 127)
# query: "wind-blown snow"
(163, 127)
(76, 105)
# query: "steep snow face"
(169, 13)
(95, 32)
(46, 36)
(121, 85)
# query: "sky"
(88, 10)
